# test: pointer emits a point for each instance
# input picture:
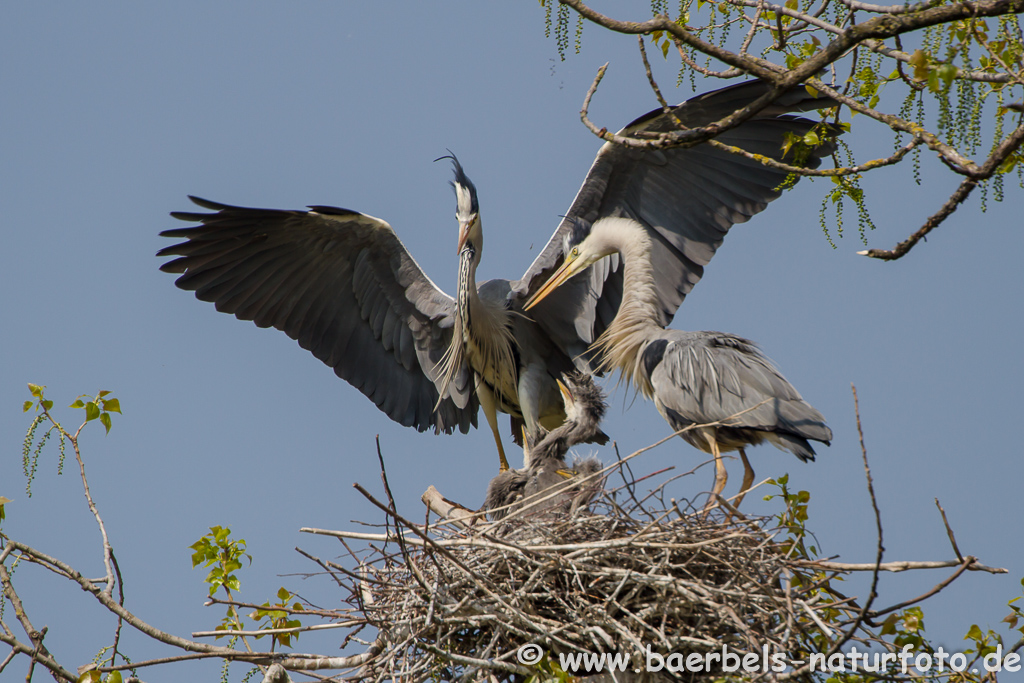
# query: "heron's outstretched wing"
(343, 285)
(687, 198)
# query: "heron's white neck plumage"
(482, 338)
(621, 343)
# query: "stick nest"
(456, 603)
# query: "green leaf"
(105, 419)
(46, 404)
(112, 405)
(77, 404)
(947, 72)
(92, 411)
(26, 406)
(35, 390)
(114, 677)
(919, 60)
(102, 394)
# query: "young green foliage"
(217, 548)
(98, 407)
(96, 677)
(279, 615)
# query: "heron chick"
(544, 460)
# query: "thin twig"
(949, 531)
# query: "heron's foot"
(721, 477)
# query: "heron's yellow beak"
(464, 227)
(566, 396)
(568, 474)
(570, 267)
(526, 447)
(567, 399)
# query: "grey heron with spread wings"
(343, 285)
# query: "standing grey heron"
(695, 378)
(546, 467)
(344, 286)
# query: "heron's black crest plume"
(461, 179)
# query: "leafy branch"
(967, 56)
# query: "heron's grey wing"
(344, 286)
(687, 198)
(715, 377)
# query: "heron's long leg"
(748, 479)
(532, 377)
(486, 396)
(721, 476)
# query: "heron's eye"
(575, 251)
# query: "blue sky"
(114, 112)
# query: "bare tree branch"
(899, 566)
(933, 222)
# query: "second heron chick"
(544, 460)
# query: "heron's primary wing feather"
(687, 198)
(343, 285)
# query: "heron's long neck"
(485, 335)
(467, 300)
(640, 311)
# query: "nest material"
(603, 580)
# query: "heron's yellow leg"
(486, 396)
(748, 478)
(721, 476)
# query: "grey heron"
(546, 467)
(695, 378)
(344, 286)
